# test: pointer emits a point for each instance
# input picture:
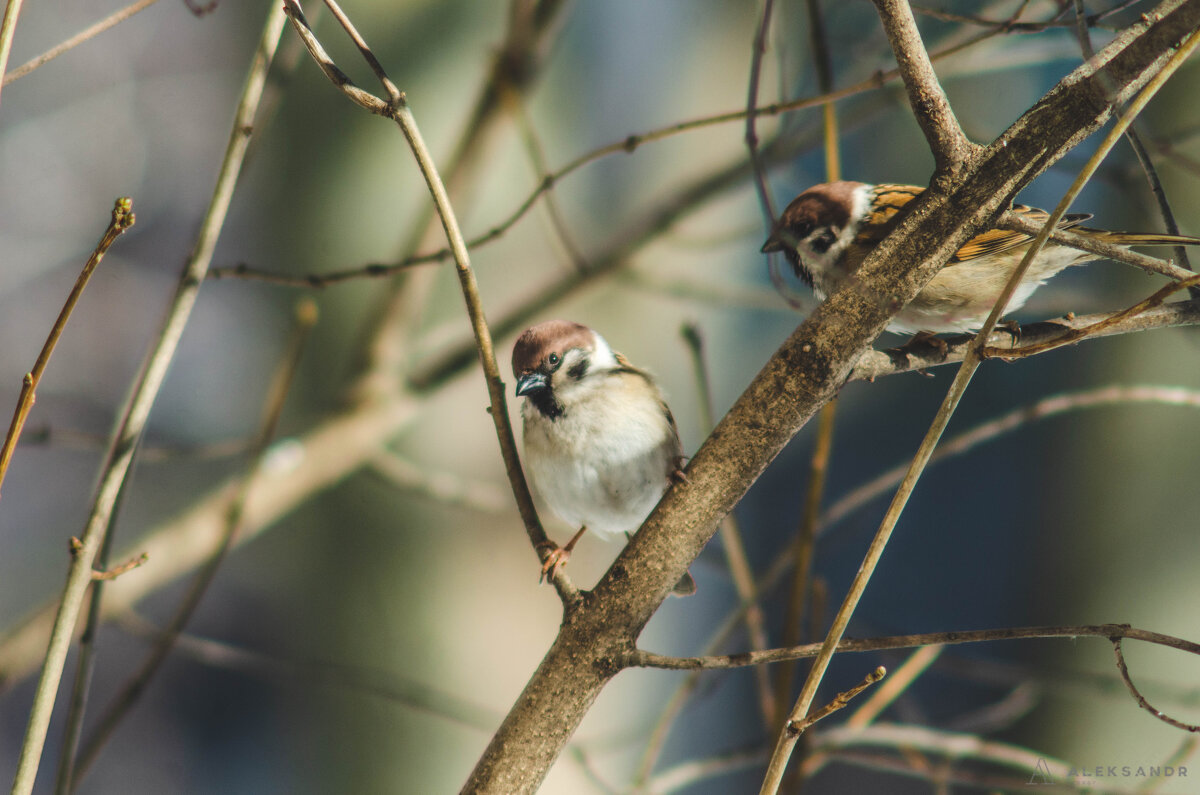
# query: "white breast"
(605, 464)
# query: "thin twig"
(1076, 334)
(626, 145)
(1011, 26)
(85, 658)
(123, 568)
(112, 20)
(840, 701)
(537, 159)
(818, 468)
(133, 420)
(1011, 220)
(122, 218)
(1008, 423)
(897, 683)
(399, 111)
(1139, 698)
(758, 50)
(1139, 151)
(644, 659)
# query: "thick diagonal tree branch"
(803, 375)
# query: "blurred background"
(372, 636)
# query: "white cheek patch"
(603, 357)
(821, 263)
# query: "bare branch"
(133, 688)
(645, 659)
(1075, 334)
(91, 32)
(122, 219)
(1139, 698)
(137, 411)
(1011, 220)
(840, 701)
(946, 139)
(876, 364)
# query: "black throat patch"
(543, 400)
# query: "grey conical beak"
(531, 382)
(774, 243)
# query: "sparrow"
(600, 443)
(828, 230)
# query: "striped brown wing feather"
(994, 241)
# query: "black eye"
(554, 359)
(821, 242)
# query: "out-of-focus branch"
(8, 29)
(91, 32)
(137, 411)
(73, 770)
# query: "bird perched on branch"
(828, 230)
(600, 443)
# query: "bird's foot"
(558, 556)
(555, 560)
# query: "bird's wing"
(994, 241)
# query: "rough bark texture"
(802, 376)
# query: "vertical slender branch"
(531, 27)
(86, 658)
(823, 444)
(397, 109)
(731, 540)
(133, 421)
(760, 174)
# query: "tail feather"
(1142, 239)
